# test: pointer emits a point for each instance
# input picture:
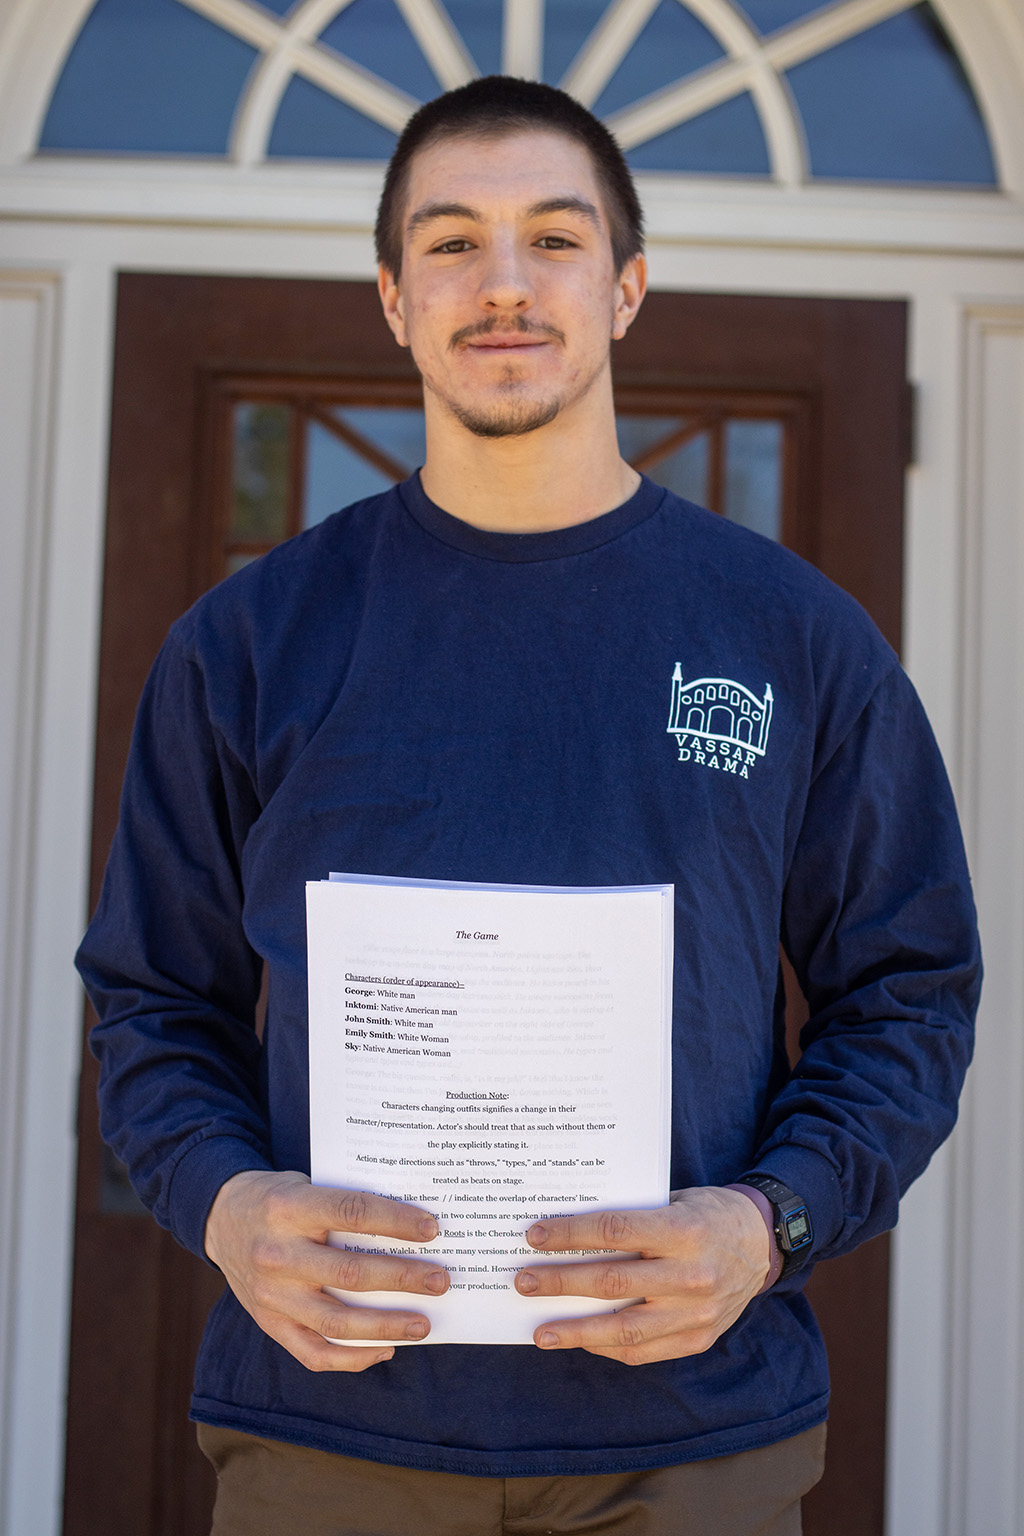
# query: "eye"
(453, 247)
(557, 243)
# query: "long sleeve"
(879, 924)
(167, 965)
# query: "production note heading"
(495, 1054)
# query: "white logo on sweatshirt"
(719, 723)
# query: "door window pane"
(399, 433)
(336, 475)
(259, 504)
(685, 471)
(753, 475)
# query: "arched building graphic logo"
(719, 723)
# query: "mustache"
(509, 324)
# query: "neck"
(555, 477)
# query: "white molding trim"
(989, 37)
(27, 323)
(986, 1388)
(61, 519)
(342, 198)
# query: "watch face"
(797, 1229)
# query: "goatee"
(507, 418)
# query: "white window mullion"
(522, 39)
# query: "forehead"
(499, 175)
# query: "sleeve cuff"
(197, 1178)
(813, 1178)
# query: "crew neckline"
(554, 544)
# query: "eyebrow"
(548, 205)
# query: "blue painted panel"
(279, 7)
(769, 15)
(673, 43)
(893, 104)
(147, 77)
(727, 141)
(374, 34)
(312, 125)
(567, 25)
(479, 24)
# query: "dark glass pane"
(686, 471)
(567, 25)
(673, 43)
(259, 504)
(117, 1198)
(638, 433)
(373, 33)
(753, 475)
(478, 22)
(770, 15)
(727, 141)
(238, 560)
(893, 104)
(148, 76)
(402, 434)
(310, 124)
(336, 475)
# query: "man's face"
(508, 295)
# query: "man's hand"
(267, 1232)
(702, 1259)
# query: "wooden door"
(201, 361)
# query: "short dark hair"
(499, 105)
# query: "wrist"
(768, 1217)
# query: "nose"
(505, 282)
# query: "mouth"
(503, 339)
(511, 343)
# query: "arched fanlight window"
(792, 90)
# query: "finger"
(354, 1210)
(349, 1271)
(607, 1279)
(317, 1354)
(631, 1334)
(333, 1319)
(629, 1231)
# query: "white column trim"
(57, 679)
(27, 323)
(986, 1321)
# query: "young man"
(467, 678)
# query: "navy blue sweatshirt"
(652, 696)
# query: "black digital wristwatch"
(794, 1233)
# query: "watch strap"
(791, 1220)
(768, 1216)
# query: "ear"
(630, 287)
(391, 303)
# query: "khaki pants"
(270, 1488)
